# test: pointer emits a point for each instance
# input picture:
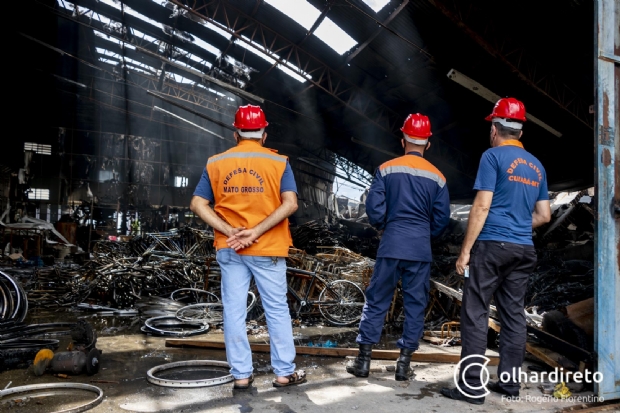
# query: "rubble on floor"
(170, 282)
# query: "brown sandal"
(244, 386)
(294, 379)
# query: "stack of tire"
(17, 348)
(13, 300)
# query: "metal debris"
(13, 300)
(158, 274)
(358, 237)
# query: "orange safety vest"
(246, 185)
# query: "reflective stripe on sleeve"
(413, 171)
(247, 155)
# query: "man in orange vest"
(409, 201)
(253, 192)
(498, 255)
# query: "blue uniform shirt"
(409, 200)
(204, 189)
(517, 180)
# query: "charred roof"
(88, 64)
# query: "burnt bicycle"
(340, 302)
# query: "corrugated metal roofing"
(403, 68)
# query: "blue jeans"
(270, 276)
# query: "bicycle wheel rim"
(212, 297)
(208, 313)
(348, 309)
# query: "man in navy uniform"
(409, 201)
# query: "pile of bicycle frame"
(173, 282)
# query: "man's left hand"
(242, 239)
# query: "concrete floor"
(127, 357)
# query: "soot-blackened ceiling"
(90, 64)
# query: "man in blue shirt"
(409, 201)
(498, 255)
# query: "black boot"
(361, 365)
(403, 371)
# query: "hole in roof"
(376, 5)
(108, 61)
(306, 14)
(199, 42)
(261, 53)
(144, 36)
(137, 69)
(271, 60)
(111, 23)
(301, 11)
(110, 54)
(334, 37)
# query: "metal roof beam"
(334, 173)
(162, 16)
(227, 87)
(149, 60)
(256, 6)
(182, 94)
(198, 30)
(316, 24)
(377, 32)
(131, 22)
(169, 89)
(115, 86)
(192, 111)
(263, 38)
(319, 20)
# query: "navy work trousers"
(414, 276)
(500, 270)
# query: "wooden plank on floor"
(551, 358)
(434, 340)
(494, 325)
(331, 351)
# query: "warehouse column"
(607, 180)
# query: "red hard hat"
(250, 117)
(417, 125)
(509, 108)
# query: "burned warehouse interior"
(129, 118)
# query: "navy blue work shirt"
(409, 200)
